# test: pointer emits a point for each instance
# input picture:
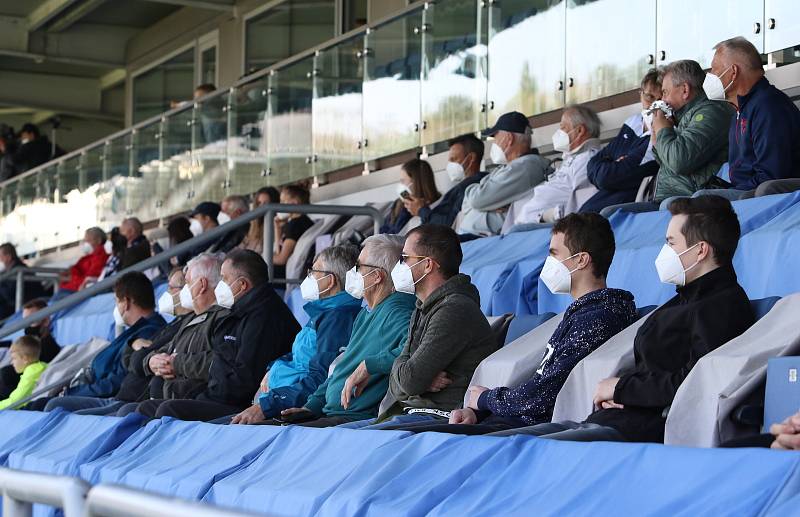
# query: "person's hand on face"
(251, 415)
(660, 121)
(463, 416)
(414, 205)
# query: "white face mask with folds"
(556, 276)
(195, 227)
(669, 266)
(309, 288)
(455, 171)
(497, 154)
(403, 278)
(712, 86)
(223, 218)
(166, 304)
(561, 141)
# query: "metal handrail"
(22, 489)
(267, 211)
(22, 273)
(117, 501)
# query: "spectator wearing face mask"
(259, 329)
(709, 309)
(449, 335)
(360, 379)
(89, 266)
(463, 169)
(765, 131)
(581, 251)
(486, 203)
(417, 187)
(137, 248)
(204, 217)
(134, 309)
(566, 190)
(231, 208)
(291, 379)
(618, 169)
(289, 228)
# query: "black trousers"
(187, 409)
(444, 427)
(756, 440)
(326, 421)
(9, 378)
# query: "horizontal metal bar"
(59, 491)
(206, 238)
(116, 501)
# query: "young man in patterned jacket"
(581, 250)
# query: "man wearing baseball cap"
(519, 170)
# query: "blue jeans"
(85, 405)
(395, 420)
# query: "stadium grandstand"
(396, 257)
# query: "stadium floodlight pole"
(206, 238)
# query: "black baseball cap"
(208, 208)
(513, 122)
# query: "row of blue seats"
(302, 471)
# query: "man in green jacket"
(690, 153)
(361, 377)
(448, 336)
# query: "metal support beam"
(48, 10)
(113, 78)
(41, 58)
(65, 22)
(227, 6)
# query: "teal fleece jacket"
(378, 338)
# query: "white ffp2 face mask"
(713, 87)
(455, 171)
(118, 321)
(403, 279)
(195, 227)
(669, 265)
(223, 218)
(224, 295)
(86, 248)
(185, 296)
(497, 154)
(309, 288)
(556, 276)
(166, 304)
(354, 283)
(561, 141)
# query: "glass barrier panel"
(602, 66)
(247, 144)
(688, 29)
(336, 108)
(289, 133)
(93, 164)
(144, 197)
(781, 25)
(452, 81)
(526, 57)
(45, 210)
(110, 194)
(210, 148)
(75, 209)
(177, 162)
(392, 87)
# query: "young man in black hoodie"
(709, 309)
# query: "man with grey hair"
(485, 206)
(564, 193)
(231, 208)
(692, 144)
(291, 379)
(361, 378)
(764, 135)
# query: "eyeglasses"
(312, 270)
(404, 257)
(359, 265)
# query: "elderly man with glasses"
(360, 379)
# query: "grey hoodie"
(448, 332)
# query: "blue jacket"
(393, 226)
(107, 368)
(450, 205)
(764, 138)
(588, 322)
(618, 180)
(298, 374)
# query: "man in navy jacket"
(764, 136)
(619, 168)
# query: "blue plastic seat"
(763, 306)
(521, 325)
